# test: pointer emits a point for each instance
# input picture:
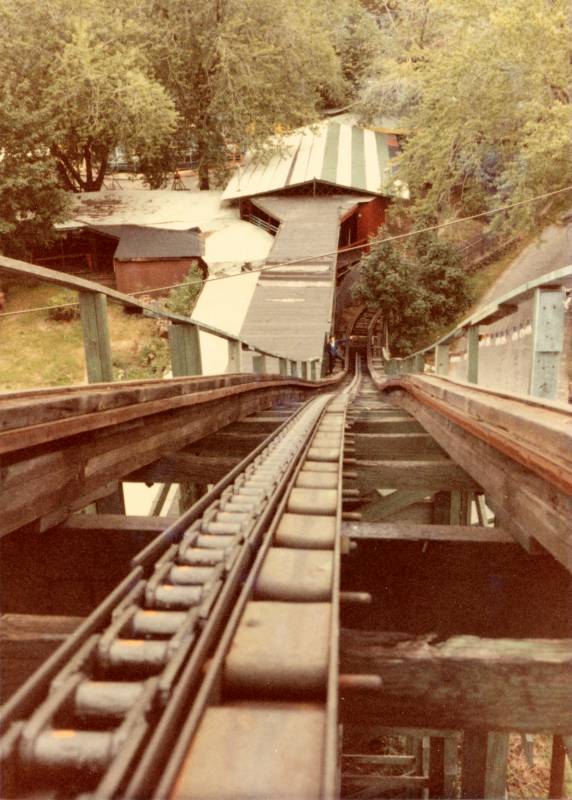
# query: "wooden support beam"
(96, 340)
(185, 466)
(294, 368)
(505, 684)
(114, 523)
(557, 768)
(259, 363)
(283, 366)
(442, 359)
(473, 354)
(432, 475)
(547, 341)
(227, 443)
(26, 641)
(404, 532)
(47, 484)
(185, 350)
(234, 363)
(399, 446)
(314, 369)
(405, 424)
(113, 503)
(391, 503)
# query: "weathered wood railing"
(183, 332)
(548, 331)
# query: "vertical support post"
(474, 765)
(420, 362)
(442, 359)
(473, 354)
(436, 767)
(185, 350)
(96, 340)
(484, 767)
(259, 363)
(294, 368)
(113, 503)
(547, 341)
(283, 366)
(497, 766)
(557, 767)
(313, 369)
(234, 356)
(304, 365)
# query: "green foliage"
(63, 297)
(81, 85)
(182, 299)
(152, 360)
(484, 88)
(243, 70)
(417, 287)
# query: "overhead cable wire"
(307, 259)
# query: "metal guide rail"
(142, 675)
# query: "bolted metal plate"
(255, 751)
(296, 575)
(314, 533)
(280, 649)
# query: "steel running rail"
(100, 716)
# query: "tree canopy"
(484, 89)
(418, 286)
(243, 70)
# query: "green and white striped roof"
(342, 155)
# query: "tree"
(417, 286)
(182, 299)
(484, 88)
(243, 70)
(77, 65)
(30, 198)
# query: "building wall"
(136, 276)
(370, 216)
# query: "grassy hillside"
(38, 351)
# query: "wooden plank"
(229, 443)
(557, 768)
(405, 532)
(524, 504)
(89, 464)
(437, 767)
(115, 523)
(185, 466)
(26, 641)
(385, 783)
(387, 424)
(405, 446)
(385, 760)
(539, 426)
(391, 503)
(505, 684)
(96, 340)
(497, 766)
(474, 765)
(432, 475)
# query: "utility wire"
(268, 267)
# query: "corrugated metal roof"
(139, 242)
(343, 155)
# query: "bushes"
(418, 286)
(63, 297)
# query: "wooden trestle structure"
(364, 555)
